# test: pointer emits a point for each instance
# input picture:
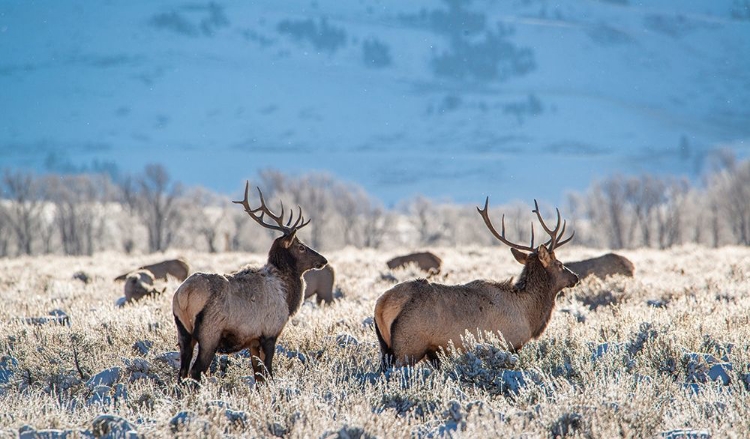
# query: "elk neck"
(289, 273)
(535, 287)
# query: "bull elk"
(417, 318)
(249, 308)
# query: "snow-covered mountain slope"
(451, 99)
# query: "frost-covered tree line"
(80, 214)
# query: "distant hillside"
(451, 99)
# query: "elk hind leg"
(187, 345)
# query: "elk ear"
(544, 256)
(519, 255)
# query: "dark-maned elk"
(426, 261)
(247, 309)
(178, 268)
(415, 319)
(139, 284)
(603, 266)
(320, 283)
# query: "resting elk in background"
(247, 309)
(603, 266)
(415, 319)
(179, 268)
(426, 261)
(139, 284)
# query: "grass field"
(667, 351)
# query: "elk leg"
(269, 348)
(187, 344)
(433, 358)
(256, 361)
(206, 351)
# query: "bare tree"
(313, 193)
(79, 204)
(23, 215)
(157, 206)
(644, 194)
(375, 225)
(607, 207)
(5, 231)
(205, 216)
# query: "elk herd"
(413, 320)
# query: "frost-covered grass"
(667, 350)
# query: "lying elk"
(415, 319)
(426, 261)
(603, 266)
(139, 284)
(178, 268)
(246, 309)
(319, 283)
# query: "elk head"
(287, 251)
(559, 276)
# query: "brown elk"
(417, 318)
(320, 284)
(603, 266)
(426, 261)
(178, 268)
(139, 284)
(249, 308)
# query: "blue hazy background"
(451, 99)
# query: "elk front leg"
(256, 361)
(269, 348)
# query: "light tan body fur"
(320, 284)
(417, 319)
(426, 261)
(603, 266)
(245, 305)
(177, 268)
(436, 314)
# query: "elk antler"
(501, 236)
(287, 229)
(554, 241)
(551, 244)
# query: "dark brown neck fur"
(291, 276)
(535, 283)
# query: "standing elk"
(415, 319)
(320, 284)
(179, 268)
(246, 309)
(426, 261)
(603, 266)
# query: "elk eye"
(301, 248)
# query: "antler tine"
(558, 243)
(501, 237)
(532, 235)
(552, 243)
